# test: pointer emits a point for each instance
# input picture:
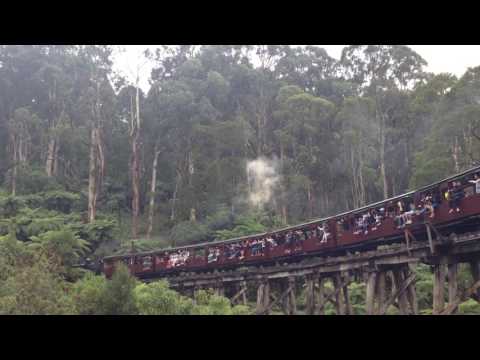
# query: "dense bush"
(157, 299)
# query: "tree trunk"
(282, 186)
(354, 179)
(92, 177)
(261, 123)
(14, 180)
(191, 172)
(382, 166)
(135, 165)
(193, 215)
(383, 172)
(153, 186)
(455, 155)
(53, 137)
(100, 161)
(284, 214)
(310, 200)
(15, 163)
(49, 168)
(174, 199)
(55, 159)
(259, 137)
(363, 199)
(327, 202)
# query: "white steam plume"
(263, 179)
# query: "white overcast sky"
(454, 59)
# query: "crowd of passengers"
(404, 211)
(292, 240)
(177, 258)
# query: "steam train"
(447, 205)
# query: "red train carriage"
(442, 204)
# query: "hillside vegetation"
(90, 165)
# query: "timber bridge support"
(388, 275)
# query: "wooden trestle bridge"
(387, 271)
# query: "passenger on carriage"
(371, 221)
(213, 254)
(174, 260)
(257, 246)
(476, 181)
(455, 196)
(309, 234)
(410, 213)
(426, 206)
(299, 236)
(288, 238)
(323, 233)
(359, 226)
(379, 215)
(231, 251)
(390, 210)
(178, 258)
(292, 241)
(345, 223)
(271, 241)
(404, 216)
(365, 222)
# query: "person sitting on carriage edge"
(457, 194)
(436, 200)
(428, 205)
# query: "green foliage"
(330, 124)
(56, 200)
(34, 287)
(88, 294)
(119, 297)
(46, 218)
(157, 299)
(32, 181)
(63, 243)
(207, 303)
(392, 310)
(470, 307)
(430, 167)
(98, 231)
(188, 232)
(244, 225)
(59, 200)
(11, 251)
(424, 286)
(220, 219)
(357, 292)
(142, 245)
(10, 205)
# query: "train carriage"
(444, 204)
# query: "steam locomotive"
(447, 205)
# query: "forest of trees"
(90, 165)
